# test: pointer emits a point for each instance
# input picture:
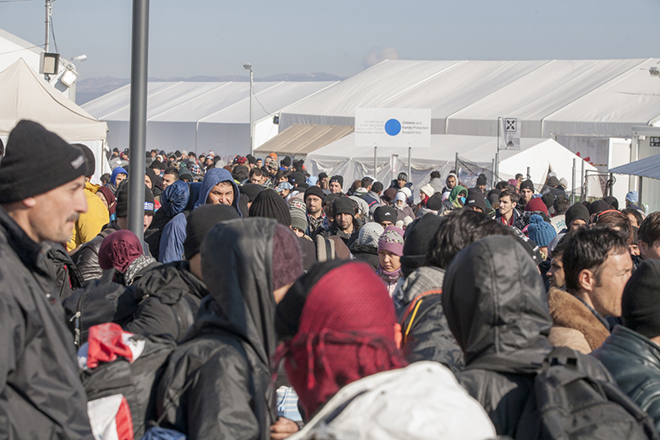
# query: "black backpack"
(573, 402)
(97, 302)
(135, 381)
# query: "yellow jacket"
(90, 223)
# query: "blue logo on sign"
(393, 127)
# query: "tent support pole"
(639, 193)
(582, 182)
(409, 165)
(456, 167)
(375, 163)
(573, 183)
(138, 123)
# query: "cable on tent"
(261, 105)
(52, 31)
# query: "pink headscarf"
(119, 249)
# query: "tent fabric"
(550, 97)
(201, 116)
(26, 95)
(302, 139)
(540, 155)
(647, 167)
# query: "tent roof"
(647, 167)
(302, 139)
(25, 95)
(585, 97)
(213, 102)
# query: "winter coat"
(634, 361)
(89, 223)
(426, 335)
(174, 233)
(573, 324)
(368, 254)
(174, 201)
(169, 296)
(41, 396)
(225, 357)
(348, 239)
(420, 402)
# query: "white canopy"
(25, 95)
(200, 116)
(540, 155)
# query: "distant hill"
(91, 88)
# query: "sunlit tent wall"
(579, 103)
(202, 116)
(540, 155)
(26, 95)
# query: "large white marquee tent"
(202, 116)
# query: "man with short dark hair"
(257, 176)
(42, 181)
(597, 265)
(555, 275)
(649, 237)
(344, 224)
(314, 202)
(170, 176)
(526, 193)
(507, 213)
(336, 184)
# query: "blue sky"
(213, 38)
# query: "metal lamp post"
(248, 66)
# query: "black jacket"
(634, 361)
(87, 257)
(426, 335)
(169, 296)
(225, 357)
(41, 396)
(368, 254)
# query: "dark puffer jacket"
(224, 361)
(496, 307)
(634, 361)
(169, 296)
(87, 257)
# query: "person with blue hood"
(218, 188)
(119, 174)
(174, 200)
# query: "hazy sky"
(212, 38)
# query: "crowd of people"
(307, 307)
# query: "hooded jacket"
(225, 357)
(174, 200)
(89, 223)
(495, 306)
(41, 395)
(174, 233)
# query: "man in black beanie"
(42, 181)
(345, 225)
(385, 216)
(632, 352)
(269, 204)
(314, 197)
(90, 223)
(336, 185)
(526, 194)
(576, 216)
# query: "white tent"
(25, 95)
(576, 102)
(540, 155)
(201, 116)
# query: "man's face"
(482, 188)
(335, 187)
(556, 273)
(153, 154)
(168, 179)
(147, 181)
(209, 161)
(221, 194)
(526, 194)
(314, 204)
(52, 215)
(506, 205)
(344, 221)
(607, 286)
(401, 182)
(120, 178)
(256, 179)
(651, 252)
(451, 182)
(576, 224)
(260, 163)
(386, 223)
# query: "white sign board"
(392, 127)
(510, 134)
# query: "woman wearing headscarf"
(122, 251)
(390, 251)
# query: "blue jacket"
(174, 233)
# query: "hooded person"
(218, 187)
(122, 252)
(365, 247)
(247, 264)
(118, 175)
(390, 250)
(173, 201)
(351, 379)
(497, 309)
(456, 198)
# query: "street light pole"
(248, 66)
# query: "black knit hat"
(200, 221)
(269, 204)
(578, 210)
(314, 191)
(36, 162)
(89, 158)
(122, 200)
(297, 178)
(527, 184)
(475, 198)
(481, 179)
(251, 190)
(385, 213)
(339, 179)
(417, 238)
(640, 304)
(435, 202)
(286, 161)
(599, 206)
(343, 205)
